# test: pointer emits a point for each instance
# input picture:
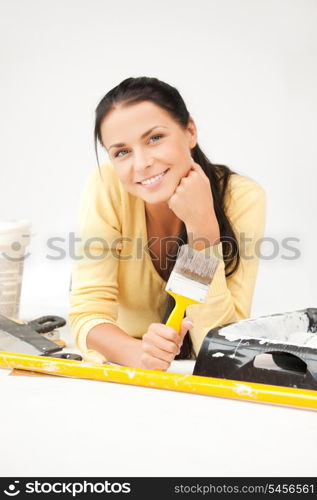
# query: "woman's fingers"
(164, 331)
(161, 343)
(155, 352)
(150, 363)
(195, 167)
(186, 325)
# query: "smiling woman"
(157, 192)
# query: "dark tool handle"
(46, 324)
(68, 355)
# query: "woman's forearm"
(204, 237)
(116, 345)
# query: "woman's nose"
(141, 160)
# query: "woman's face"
(149, 149)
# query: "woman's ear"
(192, 133)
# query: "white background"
(247, 71)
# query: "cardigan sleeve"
(230, 299)
(94, 291)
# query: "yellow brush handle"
(247, 391)
(177, 315)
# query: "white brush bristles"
(196, 265)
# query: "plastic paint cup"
(14, 238)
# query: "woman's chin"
(155, 198)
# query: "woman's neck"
(162, 218)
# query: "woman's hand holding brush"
(160, 344)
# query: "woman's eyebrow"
(121, 144)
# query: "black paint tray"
(230, 351)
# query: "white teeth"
(153, 179)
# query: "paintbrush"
(189, 281)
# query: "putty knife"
(26, 338)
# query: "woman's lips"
(154, 183)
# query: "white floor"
(64, 427)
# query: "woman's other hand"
(192, 202)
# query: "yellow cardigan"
(115, 281)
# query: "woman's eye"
(159, 136)
(124, 151)
(121, 151)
